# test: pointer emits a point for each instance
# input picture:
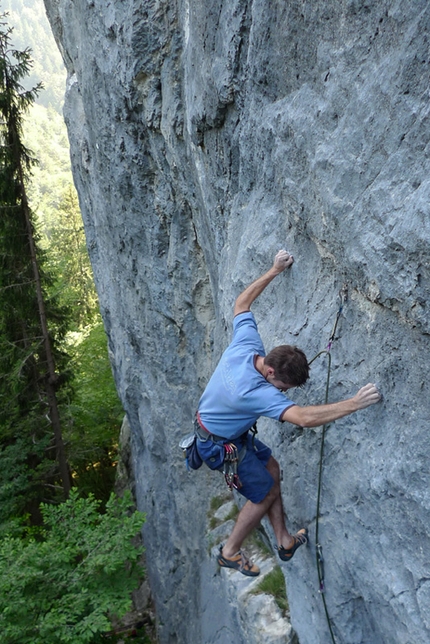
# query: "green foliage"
(65, 580)
(45, 134)
(27, 350)
(31, 29)
(91, 411)
(69, 260)
(95, 415)
(44, 127)
(24, 474)
(274, 584)
(66, 583)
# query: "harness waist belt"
(204, 435)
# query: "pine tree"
(30, 323)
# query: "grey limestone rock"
(205, 136)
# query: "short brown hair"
(290, 365)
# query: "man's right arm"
(316, 415)
(282, 260)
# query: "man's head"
(287, 365)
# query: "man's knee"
(274, 469)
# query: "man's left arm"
(316, 415)
(282, 261)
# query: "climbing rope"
(343, 294)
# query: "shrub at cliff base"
(64, 583)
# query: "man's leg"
(252, 513)
(276, 512)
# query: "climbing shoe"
(300, 538)
(239, 562)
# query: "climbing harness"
(343, 295)
(220, 454)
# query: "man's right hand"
(282, 260)
(366, 396)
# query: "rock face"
(205, 136)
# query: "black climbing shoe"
(300, 538)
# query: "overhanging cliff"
(204, 137)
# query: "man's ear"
(270, 371)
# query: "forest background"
(61, 563)
(93, 414)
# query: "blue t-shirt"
(237, 394)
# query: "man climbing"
(248, 384)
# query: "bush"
(64, 583)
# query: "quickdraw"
(320, 564)
(233, 458)
(231, 462)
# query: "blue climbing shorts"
(254, 476)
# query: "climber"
(247, 384)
